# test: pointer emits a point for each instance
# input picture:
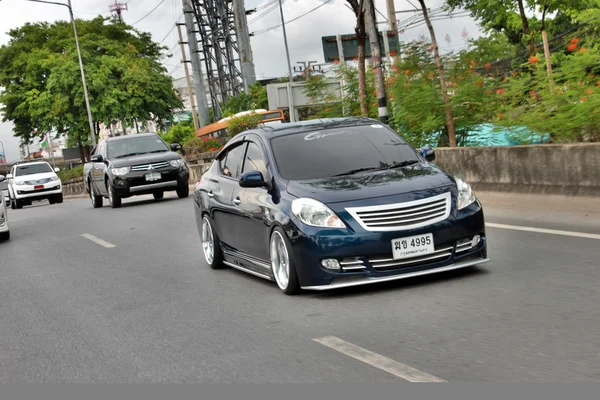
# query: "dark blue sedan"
(334, 203)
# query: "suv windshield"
(340, 151)
(135, 145)
(30, 169)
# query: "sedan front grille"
(148, 167)
(403, 216)
(352, 265)
(38, 181)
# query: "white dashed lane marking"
(386, 364)
(541, 230)
(99, 241)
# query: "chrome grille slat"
(404, 221)
(351, 262)
(416, 260)
(378, 260)
(440, 208)
(35, 182)
(354, 268)
(403, 216)
(146, 167)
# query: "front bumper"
(366, 257)
(30, 192)
(135, 183)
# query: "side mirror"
(97, 158)
(2, 178)
(175, 146)
(56, 169)
(428, 153)
(252, 179)
(9, 176)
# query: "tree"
(440, 70)
(39, 71)
(256, 99)
(180, 133)
(359, 10)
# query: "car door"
(250, 203)
(221, 194)
(99, 168)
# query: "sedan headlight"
(119, 171)
(177, 163)
(315, 213)
(466, 196)
(20, 183)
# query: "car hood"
(34, 177)
(144, 159)
(415, 178)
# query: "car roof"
(18, 164)
(290, 128)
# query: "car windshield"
(30, 169)
(135, 145)
(340, 151)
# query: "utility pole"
(245, 50)
(203, 115)
(187, 78)
(547, 56)
(371, 25)
(393, 24)
(287, 52)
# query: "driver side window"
(231, 164)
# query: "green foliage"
(39, 71)
(180, 133)
(73, 173)
(256, 99)
(244, 122)
(202, 145)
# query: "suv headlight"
(119, 171)
(177, 163)
(20, 183)
(315, 213)
(54, 178)
(466, 196)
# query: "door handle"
(237, 201)
(211, 194)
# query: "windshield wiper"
(403, 164)
(129, 155)
(357, 170)
(156, 151)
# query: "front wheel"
(282, 263)
(183, 191)
(4, 236)
(97, 201)
(158, 195)
(210, 244)
(113, 197)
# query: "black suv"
(132, 165)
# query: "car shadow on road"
(139, 203)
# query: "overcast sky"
(304, 34)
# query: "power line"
(273, 6)
(172, 29)
(151, 11)
(294, 19)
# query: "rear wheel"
(282, 263)
(158, 195)
(113, 198)
(183, 191)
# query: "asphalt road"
(148, 309)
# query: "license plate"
(413, 246)
(37, 187)
(155, 176)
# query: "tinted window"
(135, 145)
(254, 160)
(232, 164)
(335, 151)
(30, 169)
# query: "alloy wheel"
(280, 261)
(208, 244)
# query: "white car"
(4, 191)
(4, 231)
(33, 181)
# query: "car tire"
(13, 204)
(97, 200)
(183, 191)
(52, 200)
(283, 265)
(4, 236)
(211, 247)
(158, 195)
(59, 198)
(18, 204)
(113, 198)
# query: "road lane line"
(377, 360)
(97, 240)
(541, 230)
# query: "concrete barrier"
(569, 169)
